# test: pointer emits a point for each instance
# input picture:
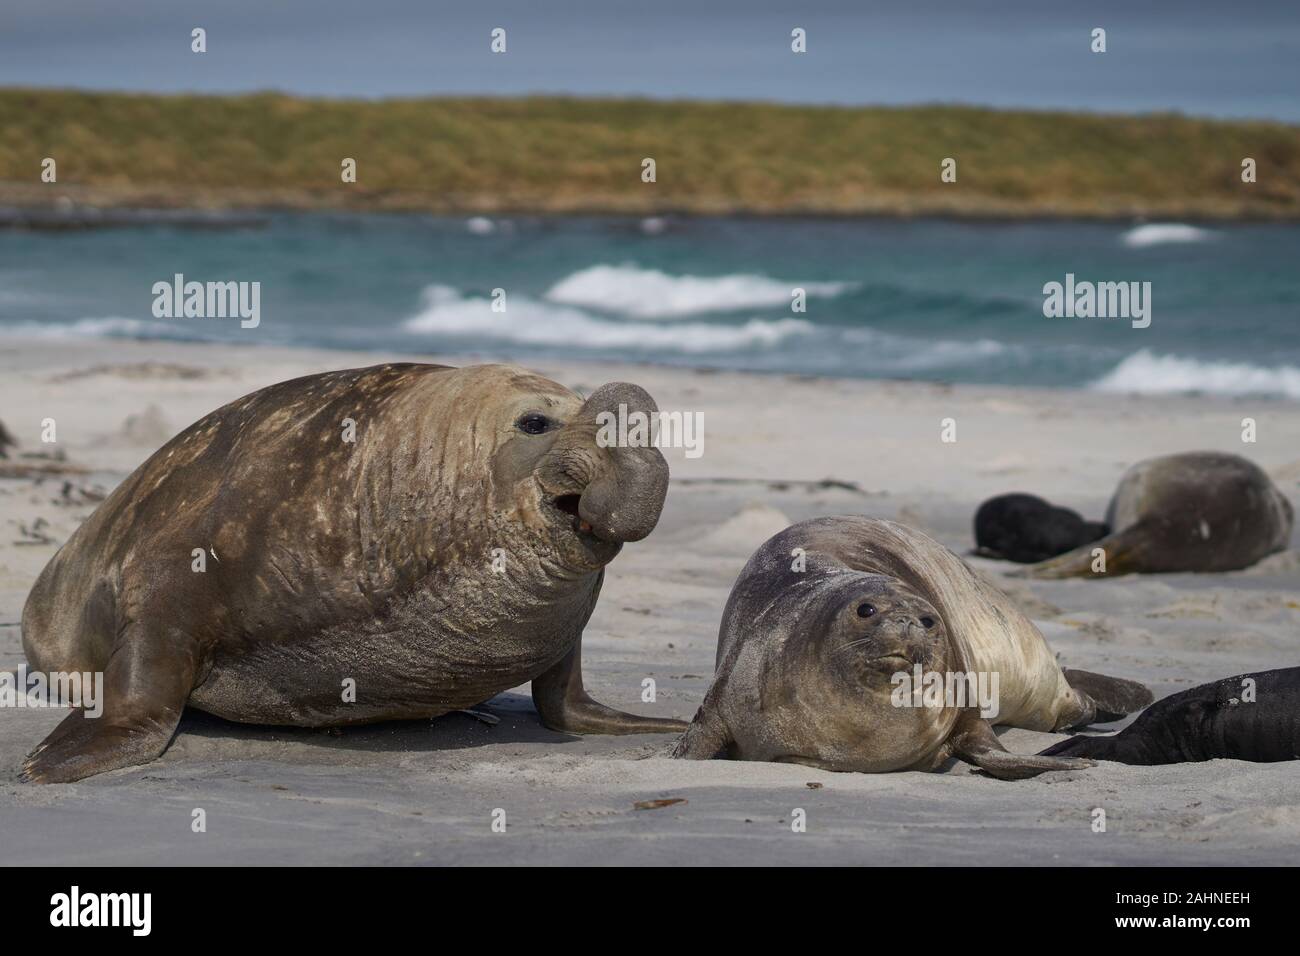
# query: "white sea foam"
(903, 354)
(1162, 374)
(113, 326)
(1161, 233)
(527, 321)
(650, 294)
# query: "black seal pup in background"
(1026, 529)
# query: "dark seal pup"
(1026, 529)
(454, 549)
(1199, 511)
(1208, 722)
(827, 626)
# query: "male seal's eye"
(534, 423)
(866, 610)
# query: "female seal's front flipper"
(974, 741)
(565, 706)
(146, 683)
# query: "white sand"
(425, 792)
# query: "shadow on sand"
(517, 723)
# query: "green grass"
(556, 154)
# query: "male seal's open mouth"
(568, 504)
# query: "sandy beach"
(777, 449)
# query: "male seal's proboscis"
(454, 550)
(829, 611)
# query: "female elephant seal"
(1199, 511)
(1248, 717)
(825, 631)
(260, 560)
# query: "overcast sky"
(1221, 58)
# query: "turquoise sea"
(925, 299)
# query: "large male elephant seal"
(1248, 717)
(451, 551)
(1198, 511)
(826, 618)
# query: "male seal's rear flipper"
(1114, 698)
(146, 684)
(975, 742)
(1122, 552)
(565, 706)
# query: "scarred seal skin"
(1252, 717)
(453, 550)
(1197, 511)
(829, 612)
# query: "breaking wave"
(650, 294)
(1162, 233)
(108, 327)
(1151, 374)
(448, 313)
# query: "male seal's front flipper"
(706, 738)
(565, 706)
(974, 741)
(146, 683)
(1114, 698)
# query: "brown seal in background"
(1202, 511)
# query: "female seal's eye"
(866, 610)
(534, 423)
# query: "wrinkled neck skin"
(465, 556)
(454, 551)
(438, 527)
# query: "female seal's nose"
(908, 621)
